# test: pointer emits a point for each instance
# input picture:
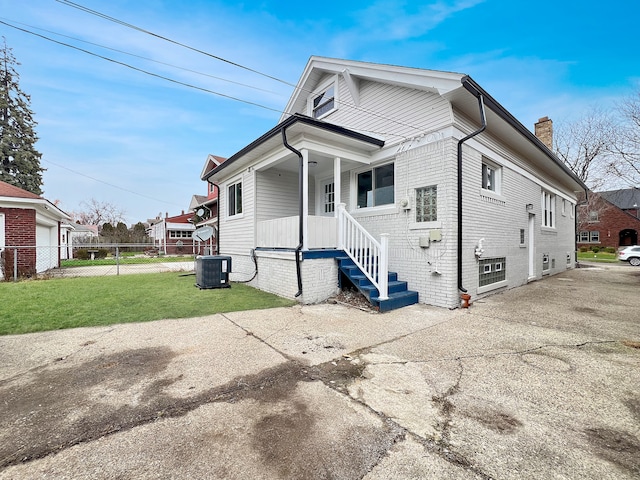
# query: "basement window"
(492, 271)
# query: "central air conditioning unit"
(212, 271)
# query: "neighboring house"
(384, 177)
(205, 209)
(609, 219)
(30, 226)
(74, 234)
(173, 235)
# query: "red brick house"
(173, 235)
(609, 219)
(205, 208)
(30, 226)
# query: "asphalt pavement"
(541, 381)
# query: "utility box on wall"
(212, 271)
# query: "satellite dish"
(200, 212)
(203, 233)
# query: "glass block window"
(492, 270)
(427, 204)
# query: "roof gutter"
(300, 207)
(483, 122)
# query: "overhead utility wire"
(178, 82)
(140, 56)
(121, 22)
(134, 27)
(167, 78)
(107, 183)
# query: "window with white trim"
(491, 176)
(180, 233)
(427, 204)
(324, 102)
(235, 199)
(584, 237)
(593, 216)
(548, 210)
(375, 187)
(594, 236)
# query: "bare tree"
(625, 163)
(95, 212)
(586, 145)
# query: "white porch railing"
(371, 256)
(283, 232)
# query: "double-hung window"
(235, 199)
(548, 210)
(375, 187)
(491, 176)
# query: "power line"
(129, 25)
(178, 82)
(140, 56)
(109, 184)
(140, 29)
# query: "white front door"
(327, 198)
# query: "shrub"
(610, 249)
(84, 254)
(595, 249)
(584, 249)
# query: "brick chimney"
(544, 131)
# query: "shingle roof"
(8, 190)
(625, 199)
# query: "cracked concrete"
(536, 382)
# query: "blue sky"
(120, 136)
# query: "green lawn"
(599, 257)
(124, 260)
(39, 305)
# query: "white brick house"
(367, 162)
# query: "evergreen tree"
(19, 160)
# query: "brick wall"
(20, 230)
(611, 221)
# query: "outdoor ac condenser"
(212, 271)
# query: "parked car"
(631, 255)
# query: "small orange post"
(466, 300)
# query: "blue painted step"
(399, 295)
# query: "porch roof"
(296, 124)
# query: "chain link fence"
(89, 260)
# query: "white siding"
(237, 234)
(276, 195)
(390, 111)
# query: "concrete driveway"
(541, 381)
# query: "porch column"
(337, 198)
(305, 198)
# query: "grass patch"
(124, 260)
(598, 257)
(40, 305)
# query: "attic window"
(324, 102)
